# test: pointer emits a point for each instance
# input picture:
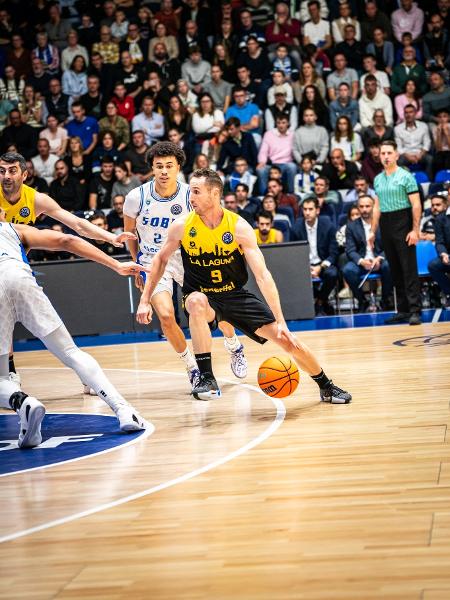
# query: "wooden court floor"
(246, 498)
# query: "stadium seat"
(442, 176)
(421, 177)
(426, 251)
(288, 211)
(283, 226)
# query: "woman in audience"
(206, 121)
(170, 42)
(379, 131)
(313, 99)
(201, 162)
(56, 135)
(410, 96)
(124, 181)
(215, 145)
(345, 138)
(186, 96)
(74, 80)
(222, 58)
(308, 77)
(79, 163)
(12, 86)
(31, 107)
(227, 38)
(178, 116)
(143, 22)
(270, 204)
(119, 27)
(106, 147)
(117, 124)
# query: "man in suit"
(239, 143)
(440, 267)
(363, 258)
(323, 251)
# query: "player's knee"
(167, 318)
(197, 304)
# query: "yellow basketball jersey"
(271, 238)
(213, 261)
(23, 211)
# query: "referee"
(398, 211)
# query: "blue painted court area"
(346, 321)
(64, 437)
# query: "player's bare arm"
(129, 225)
(245, 236)
(159, 263)
(46, 205)
(52, 240)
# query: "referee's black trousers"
(394, 227)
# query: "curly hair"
(164, 149)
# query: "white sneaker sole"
(212, 395)
(33, 435)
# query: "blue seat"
(442, 176)
(421, 176)
(426, 251)
(288, 211)
(283, 226)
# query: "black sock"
(204, 362)
(322, 380)
(12, 366)
(16, 400)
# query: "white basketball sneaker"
(129, 418)
(31, 414)
(194, 376)
(238, 362)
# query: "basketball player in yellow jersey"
(216, 245)
(22, 205)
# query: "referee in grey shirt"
(398, 211)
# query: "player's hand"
(139, 282)
(144, 313)
(412, 238)
(285, 335)
(129, 268)
(125, 236)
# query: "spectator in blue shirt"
(246, 112)
(86, 128)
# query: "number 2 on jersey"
(216, 276)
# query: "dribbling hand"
(129, 268)
(144, 313)
(123, 237)
(284, 334)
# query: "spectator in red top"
(124, 103)
(284, 29)
(275, 189)
(170, 17)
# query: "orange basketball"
(278, 376)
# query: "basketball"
(278, 376)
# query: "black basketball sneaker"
(206, 388)
(335, 395)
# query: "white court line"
(279, 418)
(437, 315)
(146, 433)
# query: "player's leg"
(13, 375)
(200, 315)
(61, 344)
(238, 362)
(308, 362)
(163, 305)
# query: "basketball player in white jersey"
(22, 300)
(148, 211)
(22, 205)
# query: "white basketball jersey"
(11, 248)
(154, 214)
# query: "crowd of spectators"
(289, 101)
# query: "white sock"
(188, 358)
(232, 343)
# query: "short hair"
(123, 166)
(282, 117)
(313, 199)
(107, 160)
(212, 179)
(14, 157)
(391, 143)
(371, 78)
(265, 214)
(244, 185)
(232, 121)
(311, 2)
(323, 178)
(410, 106)
(79, 104)
(98, 214)
(164, 149)
(345, 84)
(362, 196)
